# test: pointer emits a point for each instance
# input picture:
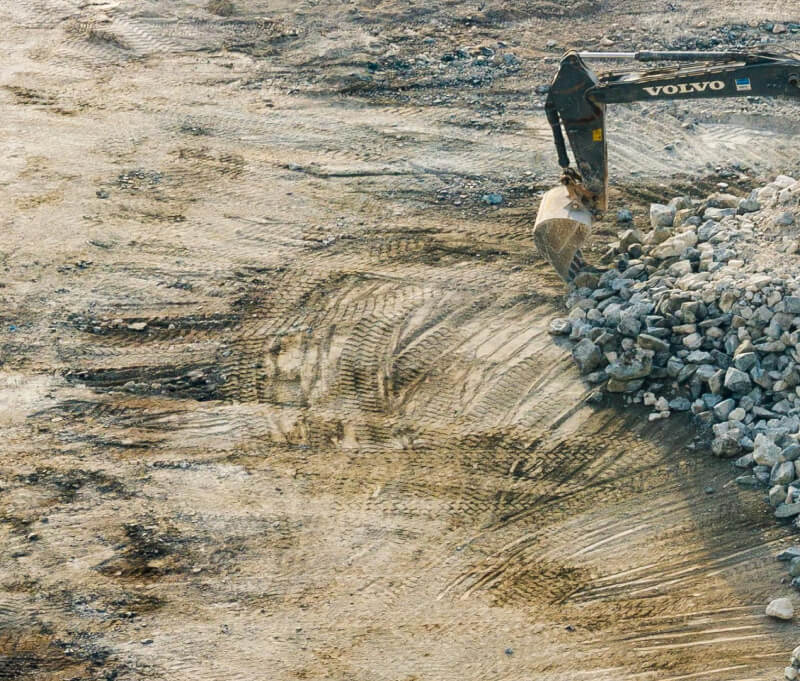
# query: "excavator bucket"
(561, 227)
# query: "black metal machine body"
(578, 97)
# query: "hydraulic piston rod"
(576, 109)
(647, 56)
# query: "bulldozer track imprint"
(277, 391)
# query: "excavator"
(576, 103)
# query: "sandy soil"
(277, 396)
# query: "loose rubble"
(703, 308)
(701, 313)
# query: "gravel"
(700, 313)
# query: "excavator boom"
(576, 106)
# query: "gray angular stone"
(791, 453)
(737, 414)
(716, 382)
(718, 213)
(680, 404)
(680, 268)
(789, 554)
(792, 304)
(698, 357)
(722, 200)
(787, 510)
(690, 311)
(776, 495)
(649, 342)
(560, 327)
(596, 377)
(750, 204)
(726, 445)
(634, 272)
(782, 473)
(579, 329)
(617, 386)
(674, 367)
(705, 371)
(761, 378)
(748, 481)
(587, 356)
(661, 216)
(745, 361)
(724, 408)
(707, 230)
(693, 341)
(766, 452)
(770, 346)
(727, 300)
(737, 381)
(629, 324)
(630, 370)
(625, 215)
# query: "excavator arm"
(576, 106)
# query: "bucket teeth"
(561, 228)
(577, 264)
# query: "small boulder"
(625, 215)
(587, 356)
(777, 495)
(766, 452)
(750, 204)
(787, 510)
(630, 370)
(780, 608)
(560, 327)
(661, 216)
(782, 473)
(648, 342)
(789, 554)
(737, 381)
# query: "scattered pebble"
(492, 199)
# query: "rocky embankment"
(701, 314)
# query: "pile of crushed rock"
(702, 314)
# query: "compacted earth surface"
(278, 395)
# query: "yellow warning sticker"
(597, 135)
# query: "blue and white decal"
(743, 84)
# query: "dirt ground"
(276, 393)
